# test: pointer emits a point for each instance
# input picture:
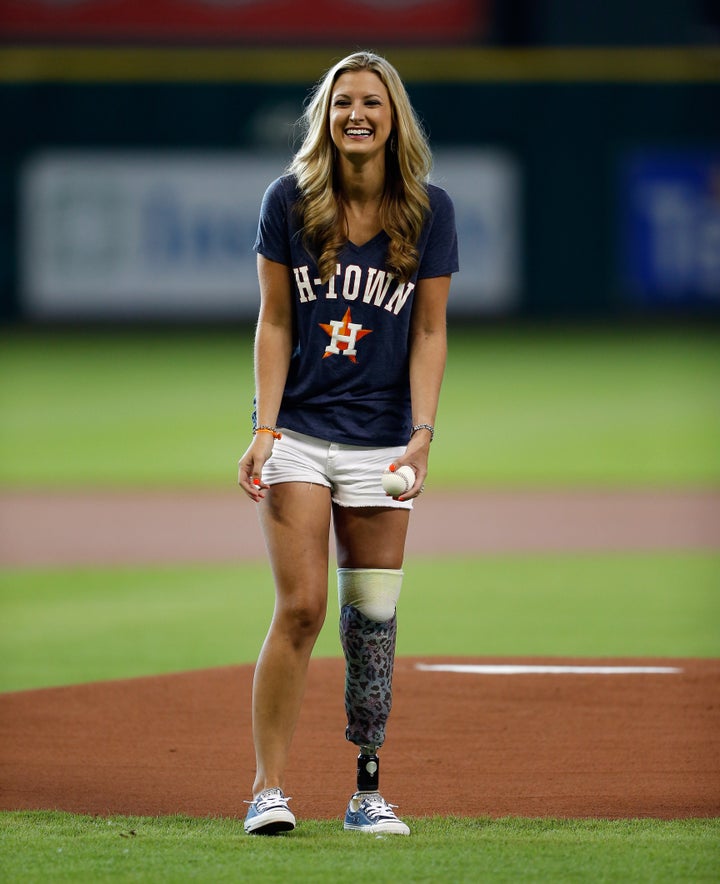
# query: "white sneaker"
(269, 814)
(370, 812)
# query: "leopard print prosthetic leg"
(369, 649)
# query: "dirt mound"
(555, 744)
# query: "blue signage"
(670, 229)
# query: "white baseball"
(398, 482)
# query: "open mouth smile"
(358, 133)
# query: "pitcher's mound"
(465, 743)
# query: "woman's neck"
(361, 184)
(361, 193)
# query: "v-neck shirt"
(348, 380)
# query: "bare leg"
(295, 519)
(370, 537)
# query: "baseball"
(398, 481)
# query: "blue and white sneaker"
(370, 812)
(269, 814)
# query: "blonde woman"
(355, 255)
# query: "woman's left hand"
(416, 457)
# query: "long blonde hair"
(408, 162)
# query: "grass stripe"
(69, 626)
(40, 847)
(588, 408)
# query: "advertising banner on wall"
(670, 227)
(486, 189)
(273, 21)
(124, 236)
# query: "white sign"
(485, 186)
(152, 235)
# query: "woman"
(355, 255)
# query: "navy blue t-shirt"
(348, 379)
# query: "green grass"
(581, 408)
(573, 407)
(71, 626)
(40, 847)
(117, 409)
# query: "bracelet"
(272, 430)
(429, 427)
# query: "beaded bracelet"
(429, 427)
(272, 430)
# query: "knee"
(301, 619)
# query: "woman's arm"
(428, 353)
(273, 346)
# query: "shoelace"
(376, 807)
(263, 801)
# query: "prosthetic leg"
(368, 629)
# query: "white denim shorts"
(352, 472)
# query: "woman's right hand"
(250, 466)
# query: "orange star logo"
(344, 335)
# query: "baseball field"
(556, 713)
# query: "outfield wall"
(609, 202)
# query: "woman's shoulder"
(285, 187)
(439, 197)
(442, 209)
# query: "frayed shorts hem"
(353, 473)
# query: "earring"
(393, 143)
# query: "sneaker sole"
(379, 829)
(272, 825)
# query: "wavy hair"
(408, 162)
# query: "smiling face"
(360, 115)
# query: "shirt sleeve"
(440, 254)
(272, 240)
